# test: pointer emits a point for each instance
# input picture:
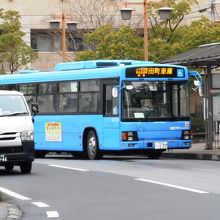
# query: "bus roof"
(91, 64)
(79, 70)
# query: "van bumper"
(16, 154)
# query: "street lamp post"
(145, 31)
(126, 15)
(64, 37)
(71, 25)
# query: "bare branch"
(173, 29)
(92, 14)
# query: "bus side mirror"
(198, 82)
(198, 85)
(34, 109)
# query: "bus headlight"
(129, 136)
(27, 136)
(186, 135)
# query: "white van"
(16, 132)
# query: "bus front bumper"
(159, 144)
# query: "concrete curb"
(9, 212)
(3, 211)
(193, 156)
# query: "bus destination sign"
(161, 72)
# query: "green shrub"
(198, 125)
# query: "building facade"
(36, 16)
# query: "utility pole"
(213, 8)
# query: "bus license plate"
(3, 158)
(161, 145)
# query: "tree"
(159, 49)
(14, 52)
(108, 43)
(201, 32)
(166, 37)
(166, 29)
(166, 34)
(93, 14)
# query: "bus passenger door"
(110, 116)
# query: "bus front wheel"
(92, 146)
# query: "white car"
(16, 132)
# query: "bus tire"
(25, 167)
(92, 146)
(154, 154)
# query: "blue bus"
(90, 108)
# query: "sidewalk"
(197, 151)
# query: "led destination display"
(163, 72)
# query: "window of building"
(34, 42)
(47, 41)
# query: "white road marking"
(52, 214)
(171, 185)
(70, 168)
(13, 194)
(40, 204)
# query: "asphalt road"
(115, 188)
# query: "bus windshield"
(155, 100)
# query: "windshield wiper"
(15, 114)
